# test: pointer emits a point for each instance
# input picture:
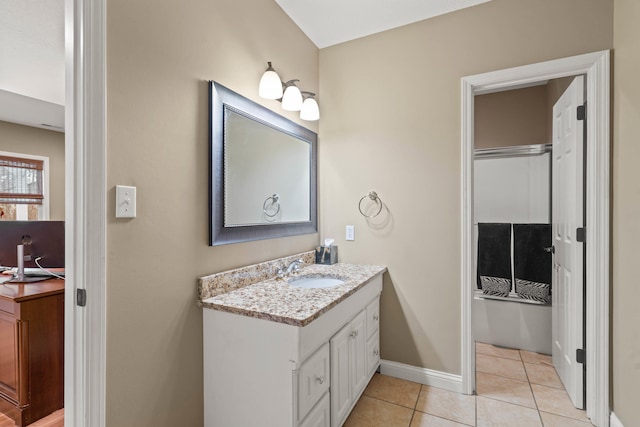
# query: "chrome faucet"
(291, 268)
(294, 266)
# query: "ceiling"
(32, 66)
(329, 22)
(32, 70)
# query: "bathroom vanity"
(276, 354)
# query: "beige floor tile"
(393, 390)
(543, 375)
(447, 404)
(370, 412)
(492, 350)
(494, 413)
(552, 420)
(556, 401)
(505, 389)
(500, 366)
(539, 358)
(426, 420)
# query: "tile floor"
(514, 388)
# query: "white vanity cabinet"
(355, 355)
(348, 367)
(259, 372)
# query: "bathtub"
(512, 322)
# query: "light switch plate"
(350, 232)
(125, 201)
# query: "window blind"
(20, 180)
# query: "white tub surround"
(301, 357)
(512, 322)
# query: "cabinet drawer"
(313, 380)
(373, 317)
(373, 353)
(7, 306)
(320, 415)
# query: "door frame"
(596, 68)
(85, 212)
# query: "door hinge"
(581, 234)
(81, 297)
(582, 112)
(581, 355)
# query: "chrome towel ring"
(373, 196)
(269, 204)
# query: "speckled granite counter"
(274, 299)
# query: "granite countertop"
(274, 299)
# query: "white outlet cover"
(125, 201)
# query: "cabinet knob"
(376, 317)
(354, 334)
(320, 379)
(376, 352)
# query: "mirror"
(262, 172)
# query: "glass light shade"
(292, 98)
(270, 85)
(310, 110)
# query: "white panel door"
(567, 216)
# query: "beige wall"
(159, 55)
(626, 213)
(391, 105)
(517, 117)
(39, 142)
(514, 117)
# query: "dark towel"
(532, 264)
(494, 258)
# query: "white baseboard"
(424, 376)
(615, 422)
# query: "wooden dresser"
(31, 349)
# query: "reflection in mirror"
(262, 172)
(256, 189)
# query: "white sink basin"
(314, 282)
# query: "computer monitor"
(46, 241)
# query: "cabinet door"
(359, 369)
(320, 415)
(9, 356)
(341, 398)
(313, 380)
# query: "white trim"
(615, 421)
(596, 67)
(85, 165)
(467, 262)
(44, 212)
(425, 376)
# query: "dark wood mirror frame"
(220, 98)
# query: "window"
(23, 187)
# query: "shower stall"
(512, 192)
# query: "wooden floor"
(54, 420)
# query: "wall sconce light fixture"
(270, 84)
(292, 98)
(310, 110)
(272, 87)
